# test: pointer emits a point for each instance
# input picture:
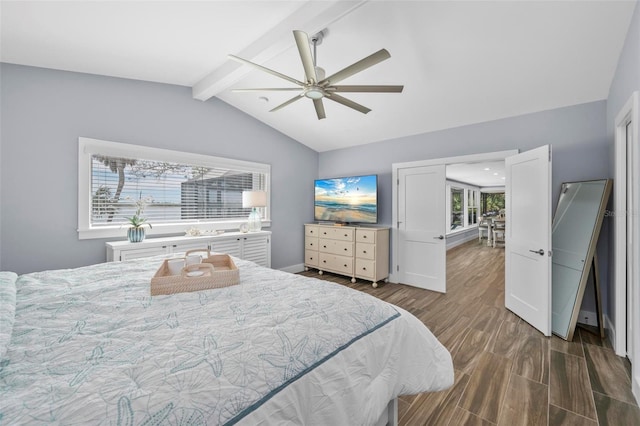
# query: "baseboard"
(611, 335)
(294, 269)
(588, 318)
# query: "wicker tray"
(217, 271)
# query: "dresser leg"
(353, 280)
(306, 269)
(374, 285)
(319, 272)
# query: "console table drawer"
(342, 248)
(339, 264)
(366, 236)
(337, 233)
(311, 243)
(365, 251)
(311, 257)
(365, 268)
(311, 231)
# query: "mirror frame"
(588, 261)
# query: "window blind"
(168, 192)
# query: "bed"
(90, 346)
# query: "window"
(492, 203)
(472, 207)
(178, 190)
(463, 205)
(457, 204)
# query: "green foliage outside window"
(492, 203)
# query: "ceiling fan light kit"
(316, 86)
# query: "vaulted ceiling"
(460, 62)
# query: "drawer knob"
(364, 236)
(345, 249)
(311, 258)
(364, 269)
(324, 261)
(364, 251)
(346, 235)
(310, 244)
(324, 246)
(345, 265)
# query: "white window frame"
(88, 147)
(465, 205)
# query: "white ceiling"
(460, 62)
(489, 174)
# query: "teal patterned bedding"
(90, 346)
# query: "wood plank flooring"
(506, 372)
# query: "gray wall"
(577, 135)
(45, 111)
(625, 82)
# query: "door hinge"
(397, 268)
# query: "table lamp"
(254, 199)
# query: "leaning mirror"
(576, 227)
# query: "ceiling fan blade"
(290, 101)
(373, 89)
(319, 108)
(266, 89)
(361, 65)
(270, 71)
(346, 102)
(302, 41)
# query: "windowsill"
(120, 231)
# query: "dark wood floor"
(506, 372)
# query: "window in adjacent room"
(492, 203)
(457, 208)
(178, 190)
(472, 207)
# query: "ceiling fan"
(316, 86)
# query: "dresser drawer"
(365, 268)
(342, 248)
(311, 258)
(365, 251)
(310, 231)
(341, 264)
(366, 236)
(337, 233)
(311, 243)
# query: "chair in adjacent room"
(499, 230)
(484, 230)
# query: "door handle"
(441, 237)
(540, 252)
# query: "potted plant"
(136, 233)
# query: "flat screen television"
(352, 199)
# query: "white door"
(528, 237)
(421, 227)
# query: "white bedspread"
(90, 346)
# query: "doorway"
(433, 230)
(528, 229)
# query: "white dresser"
(357, 252)
(254, 246)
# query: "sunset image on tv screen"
(347, 200)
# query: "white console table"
(254, 246)
(357, 252)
